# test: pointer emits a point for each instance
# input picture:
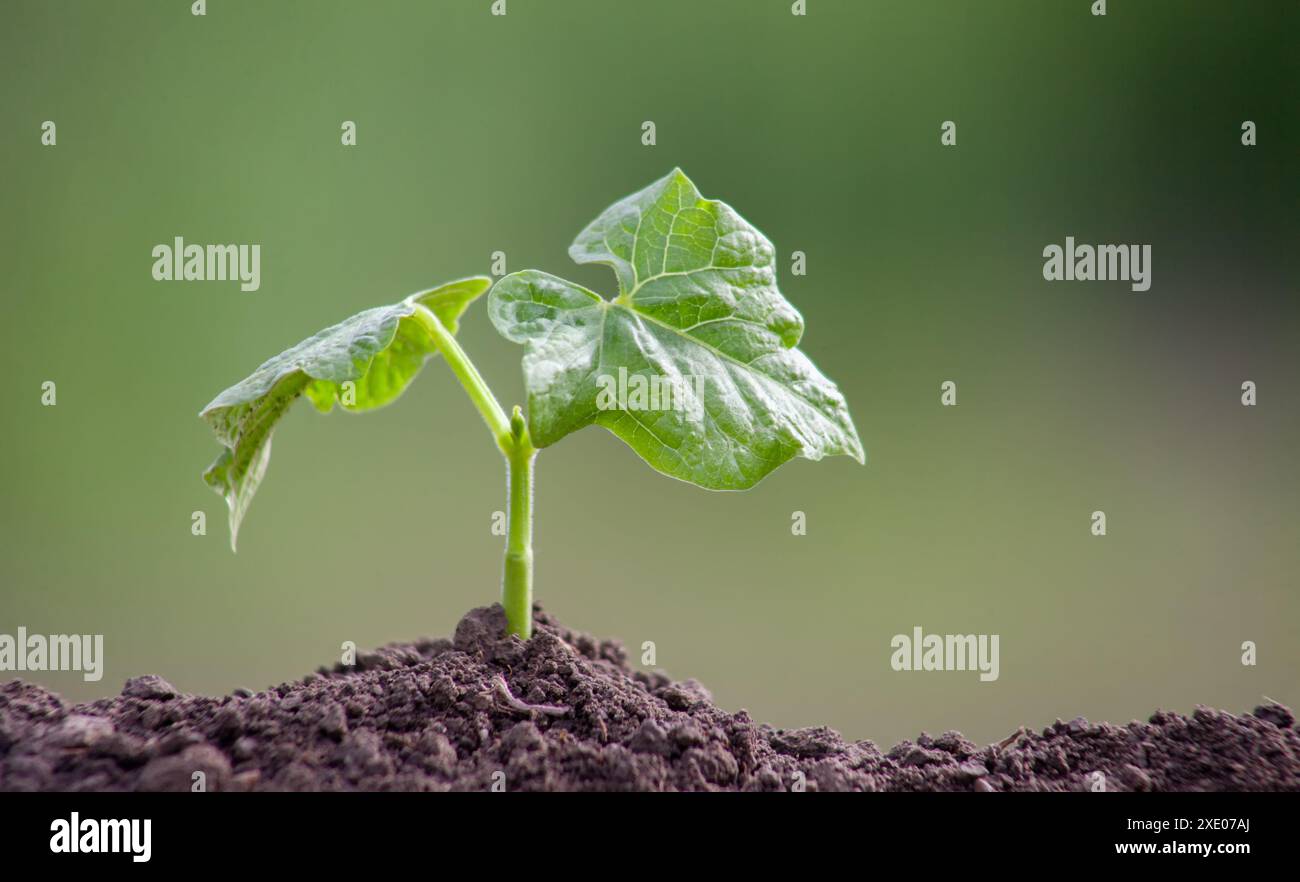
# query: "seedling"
(693, 364)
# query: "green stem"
(517, 581)
(469, 377)
(512, 438)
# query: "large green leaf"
(379, 351)
(698, 310)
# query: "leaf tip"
(236, 516)
(853, 447)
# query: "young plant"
(693, 364)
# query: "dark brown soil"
(565, 712)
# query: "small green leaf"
(699, 316)
(379, 350)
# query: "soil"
(564, 711)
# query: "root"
(1010, 739)
(502, 691)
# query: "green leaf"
(699, 316)
(379, 351)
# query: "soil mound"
(564, 711)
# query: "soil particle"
(149, 686)
(564, 711)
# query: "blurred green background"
(479, 133)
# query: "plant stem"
(513, 440)
(517, 581)
(469, 377)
